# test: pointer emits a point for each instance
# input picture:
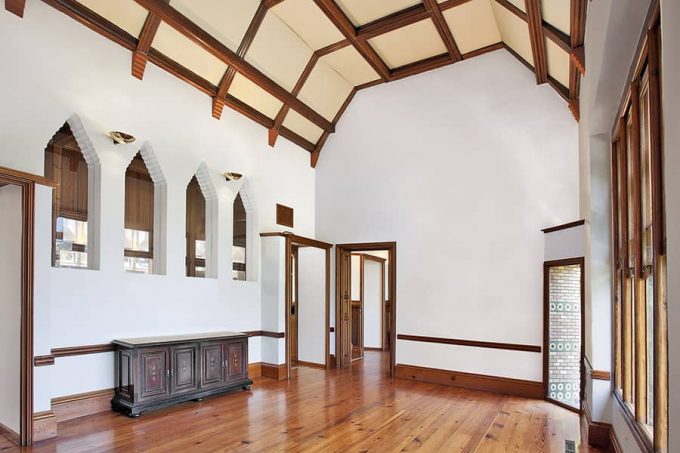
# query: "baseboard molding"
(494, 384)
(331, 362)
(311, 364)
(10, 434)
(82, 404)
(271, 371)
(366, 348)
(44, 426)
(254, 370)
(597, 434)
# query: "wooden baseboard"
(82, 404)
(494, 384)
(10, 434)
(366, 348)
(271, 371)
(44, 426)
(311, 364)
(254, 370)
(332, 363)
(597, 434)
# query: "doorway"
(17, 198)
(563, 321)
(365, 314)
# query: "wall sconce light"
(232, 176)
(121, 137)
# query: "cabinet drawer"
(212, 358)
(154, 364)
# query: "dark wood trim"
(600, 375)
(333, 47)
(15, 7)
(79, 405)
(82, 350)
(193, 32)
(393, 21)
(558, 37)
(311, 364)
(443, 29)
(578, 9)
(564, 226)
(264, 333)
(140, 54)
(300, 240)
(21, 177)
(44, 426)
(271, 371)
(43, 360)
(471, 343)
(494, 384)
(537, 38)
(337, 16)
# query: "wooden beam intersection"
(189, 29)
(552, 33)
(16, 7)
(537, 38)
(443, 29)
(140, 55)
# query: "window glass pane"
(137, 240)
(71, 243)
(200, 250)
(650, 349)
(138, 265)
(239, 254)
(200, 271)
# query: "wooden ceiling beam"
(246, 41)
(386, 24)
(443, 29)
(577, 25)
(537, 38)
(15, 7)
(140, 55)
(342, 23)
(190, 30)
(552, 33)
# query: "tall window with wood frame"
(639, 261)
(240, 236)
(66, 166)
(139, 217)
(195, 229)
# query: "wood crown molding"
(471, 343)
(82, 350)
(43, 360)
(494, 384)
(564, 226)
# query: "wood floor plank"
(358, 409)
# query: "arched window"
(240, 236)
(139, 217)
(195, 227)
(66, 166)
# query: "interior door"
(344, 322)
(294, 306)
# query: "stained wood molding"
(577, 26)
(22, 176)
(471, 343)
(299, 239)
(596, 434)
(43, 360)
(557, 86)
(600, 375)
(443, 29)
(44, 426)
(10, 434)
(193, 32)
(264, 333)
(82, 350)
(81, 404)
(495, 384)
(537, 37)
(312, 364)
(140, 54)
(15, 7)
(564, 226)
(396, 20)
(271, 371)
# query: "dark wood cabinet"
(156, 372)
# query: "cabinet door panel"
(213, 362)
(236, 366)
(184, 377)
(154, 365)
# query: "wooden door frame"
(305, 242)
(27, 183)
(580, 261)
(340, 333)
(380, 261)
(361, 304)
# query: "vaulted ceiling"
(294, 65)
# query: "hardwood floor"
(352, 410)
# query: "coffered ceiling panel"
(307, 20)
(350, 65)
(245, 90)
(127, 14)
(325, 90)
(515, 32)
(226, 20)
(558, 62)
(409, 44)
(473, 25)
(557, 13)
(190, 55)
(302, 126)
(278, 52)
(361, 12)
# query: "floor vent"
(569, 446)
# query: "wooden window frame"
(629, 271)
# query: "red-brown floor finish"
(353, 410)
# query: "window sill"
(640, 433)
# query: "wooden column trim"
(537, 38)
(15, 7)
(443, 29)
(246, 41)
(342, 22)
(140, 54)
(189, 29)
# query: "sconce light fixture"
(121, 137)
(232, 176)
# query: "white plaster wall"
(567, 243)
(273, 298)
(312, 305)
(11, 224)
(54, 68)
(372, 304)
(461, 166)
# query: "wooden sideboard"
(155, 372)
